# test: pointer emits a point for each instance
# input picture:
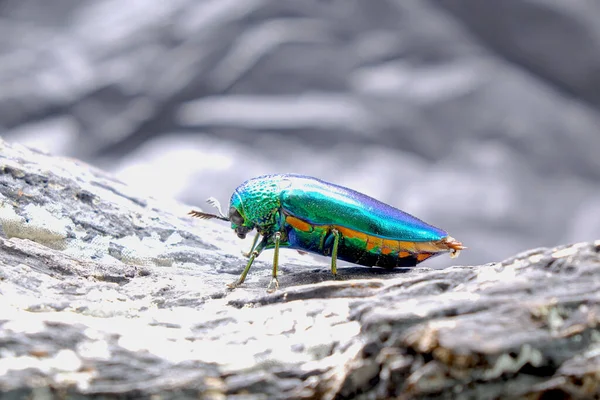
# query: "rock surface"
(106, 293)
(431, 106)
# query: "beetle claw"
(275, 283)
(233, 284)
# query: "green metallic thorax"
(258, 202)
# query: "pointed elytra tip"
(454, 246)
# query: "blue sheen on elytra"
(322, 203)
(333, 204)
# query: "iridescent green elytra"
(308, 214)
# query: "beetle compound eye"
(235, 216)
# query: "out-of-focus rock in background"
(479, 117)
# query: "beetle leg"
(334, 251)
(247, 254)
(255, 253)
(274, 284)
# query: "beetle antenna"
(215, 203)
(202, 215)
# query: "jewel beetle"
(309, 214)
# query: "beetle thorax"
(260, 200)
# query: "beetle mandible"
(309, 214)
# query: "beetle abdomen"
(361, 248)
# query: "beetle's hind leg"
(334, 251)
(274, 284)
(249, 253)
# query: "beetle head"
(236, 216)
(239, 222)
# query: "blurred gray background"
(481, 117)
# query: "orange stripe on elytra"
(374, 242)
(352, 234)
(298, 224)
(427, 247)
(407, 246)
(386, 250)
(390, 246)
(422, 250)
(423, 256)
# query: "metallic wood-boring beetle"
(308, 214)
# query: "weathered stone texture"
(103, 292)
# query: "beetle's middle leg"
(334, 251)
(274, 284)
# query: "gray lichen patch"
(69, 206)
(149, 250)
(37, 224)
(93, 218)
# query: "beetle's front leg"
(274, 284)
(334, 251)
(255, 253)
(249, 253)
